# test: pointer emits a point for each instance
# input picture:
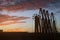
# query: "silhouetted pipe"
(45, 21)
(42, 20)
(53, 21)
(37, 24)
(48, 23)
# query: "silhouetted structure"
(1, 30)
(53, 22)
(44, 23)
(37, 24)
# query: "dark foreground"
(29, 36)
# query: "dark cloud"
(25, 4)
(31, 4)
(55, 5)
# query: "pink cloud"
(7, 20)
(33, 4)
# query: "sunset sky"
(16, 15)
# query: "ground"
(29, 36)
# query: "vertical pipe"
(39, 25)
(45, 21)
(40, 12)
(42, 19)
(53, 21)
(48, 23)
(36, 24)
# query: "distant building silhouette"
(44, 23)
(1, 30)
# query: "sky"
(17, 15)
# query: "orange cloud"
(14, 22)
(6, 19)
(15, 30)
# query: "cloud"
(11, 22)
(15, 30)
(55, 6)
(24, 4)
(7, 20)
